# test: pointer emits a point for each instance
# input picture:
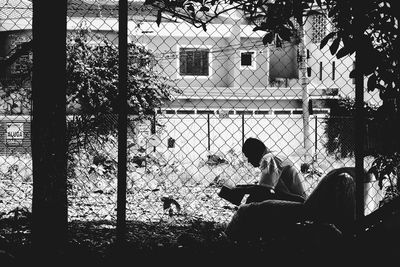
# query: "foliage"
(339, 128)
(92, 84)
(92, 75)
(387, 167)
(92, 89)
(16, 75)
(340, 141)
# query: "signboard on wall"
(14, 133)
(143, 132)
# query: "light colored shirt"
(271, 169)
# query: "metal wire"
(191, 145)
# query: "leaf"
(334, 46)
(268, 38)
(344, 51)
(257, 28)
(285, 33)
(204, 27)
(352, 74)
(313, 12)
(204, 9)
(326, 39)
(371, 84)
(368, 67)
(158, 20)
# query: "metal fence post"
(49, 147)
(122, 119)
(242, 129)
(316, 136)
(208, 133)
(359, 129)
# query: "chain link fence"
(15, 135)
(225, 86)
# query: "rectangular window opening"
(194, 61)
(247, 60)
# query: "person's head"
(254, 149)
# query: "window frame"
(205, 47)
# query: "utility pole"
(235, 46)
(305, 94)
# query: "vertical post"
(235, 44)
(208, 132)
(359, 120)
(49, 146)
(153, 127)
(305, 94)
(359, 128)
(122, 119)
(243, 135)
(316, 136)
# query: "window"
(283, 62)
(194, 61)
(319, 25)
(248, 60)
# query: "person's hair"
(253, 146)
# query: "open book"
(257, 193)
(235, 194)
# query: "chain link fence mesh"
(15, 145)
(229, 86)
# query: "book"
(231, 194)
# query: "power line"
(229, 48)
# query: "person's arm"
(288, 196)
(270, 172)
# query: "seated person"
(331, 202)
(277, 174)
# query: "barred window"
(194, 61)
(319, 25)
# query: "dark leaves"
(268, 38)
(344, 51)
(371, 84)
(326, 39)
(352, 74)
(334, 46)
(313, 12)
(159, 16)
(204, 9)
(285, 33)
(204, 26)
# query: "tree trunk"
(49, 206)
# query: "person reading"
(278, 180)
